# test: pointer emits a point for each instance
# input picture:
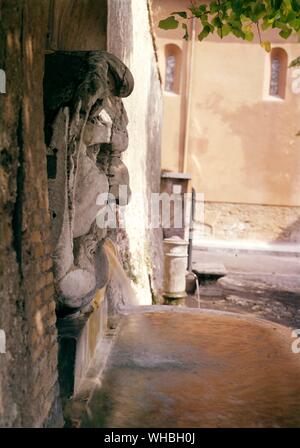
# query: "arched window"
(172, 69)
(279, 60)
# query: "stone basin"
(187, 368)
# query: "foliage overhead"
(241, 18)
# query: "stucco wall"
(238, 135)
(243, 146)
(241, 143)
(130, 39)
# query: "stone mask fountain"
(85, 129)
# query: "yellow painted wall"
(242, 146)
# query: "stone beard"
(85, 129)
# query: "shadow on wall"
(273, 167)
(290, 234)
(153, 169)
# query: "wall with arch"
(242, 146)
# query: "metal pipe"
(191, 228)
(189, 97)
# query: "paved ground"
(264, 285)
(187, 368)
(242, 262)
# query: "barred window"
(170, 73)
(275, 75)
(278, 73)
(172, 68)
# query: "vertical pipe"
(189, 96)
(192, 216)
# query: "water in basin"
(177, 368)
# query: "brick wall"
(28, 369)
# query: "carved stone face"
(86, 129)
(91, 181)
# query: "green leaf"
(291, 16)
(286, 7)
(276, 3)
(266, 45)
(226, 29)
(265, 25)
(285, 33)
(217, 22)
(169, 24)
(232, 16)
(249, 36)
(234, 22)
(258, 10)
(238, 33)
(295, 62)
(237, 6)
(295, 24)
(197, 11)
(204, 33)
(296, 5)
(182, 14)
(244, 18)
(202, 8)
(275, 15)
(214, 7)
(204, 19)
(279, 24)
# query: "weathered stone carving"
(85, 128)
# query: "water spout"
(123, 294)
